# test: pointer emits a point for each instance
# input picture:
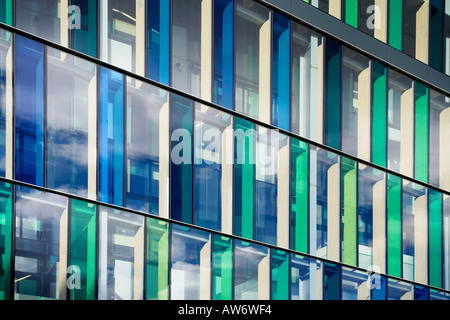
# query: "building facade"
(225, 149)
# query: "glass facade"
(219, 150)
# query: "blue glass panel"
(223, 52)
(421, 293)
(281, 55)
(379, 287)
(158, 32)
(5, 47)
(111, 137)
(181, 159)
(29, 111)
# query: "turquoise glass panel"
(6, 11)
(435, 238)
(6, 240)
(349, 195)
(84, 26)
(394, 226)
(331, 281)
(379, 114)
(222, 268)
(111, 137)
(421, 140)
(279, 275)
(396, 24)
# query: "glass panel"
(6, 228)
(379, 114)
(252, 32)
(252, 271)
(305, 276)
(120, 43)
(371, 216)
(244, 187)
(439, 124)
(436, 49)
(40, 245)
(299, 196)
(268, 146)
(435, 238)
(324, 199)
(400, 125)
(351, 12)
(332, 106)
(83, 244)
(158, 37)
(70, 99)
(394, 226)
(190, 257)
(281, 56)
(279, 275)
(365, 19)
(84, 34)
(379, 287)
(446, 243)
(447, 37)
(223, 52)
(399, 290)
(349, 197)
(6, 93)
(421, 139)
(144, 103)
(29, 115)
(421, 293)
(121, 255)
(209, 131)
(305, 77)
(6, 11)
(355, 104)
(186, 45)
(396, 24)
(111, 137)
(414, 207)
(332, 281)
(181, 159)
(354, 284)
(222, 268)
(157, 260)
(439, 295)
(41, 18)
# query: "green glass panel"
(421, 133)
(299, 196)
(396, 24)
(379, 114)
(349, 195)
(435, 237)
(5, 240)
(280, 275)
(394, 226)
(351, 12)
(222, 268)
(157, 260)
(244, 178)
(6, 12)
(83, 248)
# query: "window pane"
(279, 275)
(6, 228)
(399, 290)
(439, 295)
(349, 194)
(222, 268)
(158, 29)
(354, 284)
(111, 137)
(421, 139)
(84, 35)
(305, 77)
(244, 174)
(6, 11)
(324, 201)
(190, 270)
(186, 45)
(305, 276)
(29, 113)
(435, 238)
(379, 114)
(394, 226)
(223, 52)
(144, 103)
(39, 18)
(447, 37)
(6, 94)
(446, 244)
(379, 287)
(421, 293)
(252, 36)
(331, 281)
(351, 12)
(157, 263)
(71, 107)
(181, 159)
(299, 196)
(355, 104)
(396, 24)
(252, 271)
(121, 255)
(208, 153)
(436, 49)
(83, 243)
(281, 55)
(40, 245)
